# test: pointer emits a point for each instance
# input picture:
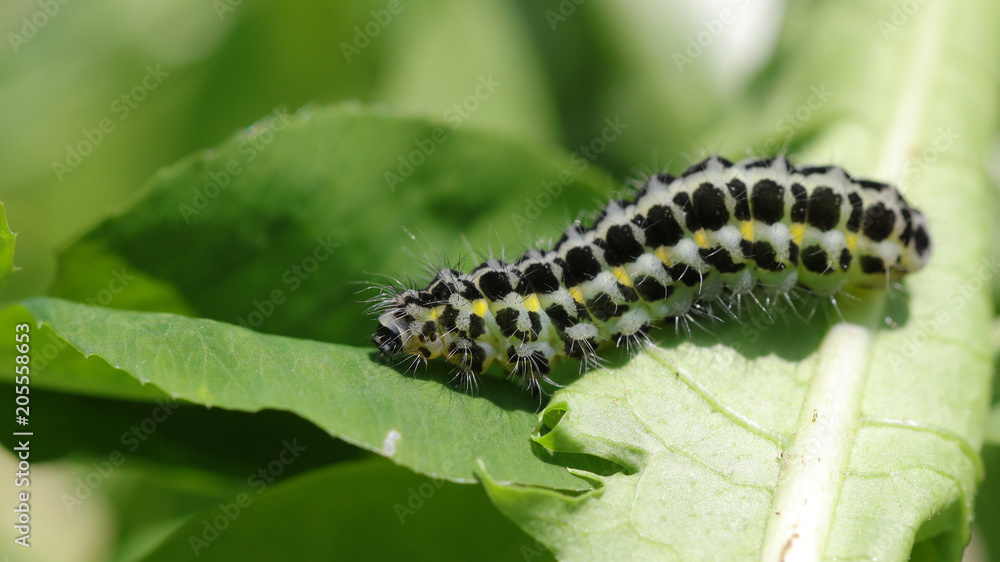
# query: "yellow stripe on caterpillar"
(621, 276)
(479, 307)
(701, 239)
(851, 240)
(664, 254)
(797, 232)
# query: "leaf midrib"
(784, 538)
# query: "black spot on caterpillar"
(760, 227)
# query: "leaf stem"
(814, 466)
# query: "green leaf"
(988, 501)
(858, 442)
(282, 245)
(992, 436)
(228, 65)
(57, 366)
(993, 427)
(365, 511)
(279, 229)
(6, 247)
(341, 389)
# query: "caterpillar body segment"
(757, 228)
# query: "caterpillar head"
(408, 325)
(388, 336)
(894, 239)
(917, 249)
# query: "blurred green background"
(100, 94)
(222, 65)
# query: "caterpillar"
(760, 227)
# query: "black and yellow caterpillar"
(760, 227)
